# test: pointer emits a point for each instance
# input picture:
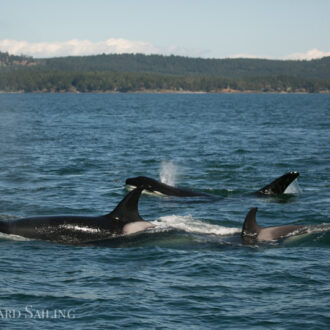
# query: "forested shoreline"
(35, 81)
(155, 73)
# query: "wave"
(187, 231)
(190, 225)
(316, 235)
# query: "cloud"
(76, 47)
(245, 55)
(309, 55)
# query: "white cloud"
(76, 47)
(245, 55)
(309, 55)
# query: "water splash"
(317, 235)
(168, 173)
(293, 188)
(189, 224)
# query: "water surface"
(71, 154)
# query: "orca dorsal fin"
(127, 210)
(250, 226)
(279, 185)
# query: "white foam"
(293, 188)
(188, 224)
(168, 173)
(308, 230)
(325, 227)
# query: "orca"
(155, 186)
(276, 187)
(123, 220)
(252, 232)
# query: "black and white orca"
(279, 185)
(276, 187)
(123, 220)
(252, 232)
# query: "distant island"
(156, 73)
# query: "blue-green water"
(71, 154)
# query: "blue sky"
(199, 28)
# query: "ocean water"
(71, 154)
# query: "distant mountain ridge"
(173, 65)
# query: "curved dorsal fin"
(250, 226)
(127, 210)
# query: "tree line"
(185, 66)
(100, 81)
(172, 65)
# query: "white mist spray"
(168, 173)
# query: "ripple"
(72, 154)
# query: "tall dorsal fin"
(250, 226)
(127, 210)
(279, 185)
